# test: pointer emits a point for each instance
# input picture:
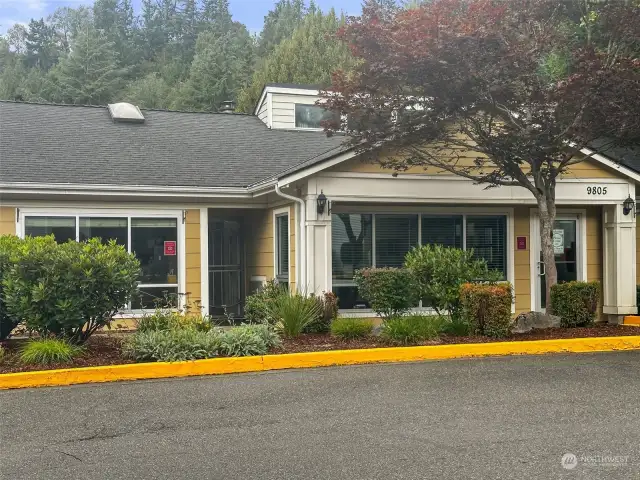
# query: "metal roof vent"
(228, 106)
(125, 112)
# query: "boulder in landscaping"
(525, 322)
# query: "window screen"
(487, 236)
(442, 230)
(395, 236)
(282, 248)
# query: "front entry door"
(226, 280)
(568, 254)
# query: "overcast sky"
(249, 12)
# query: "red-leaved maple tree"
(501, 92)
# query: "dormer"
(291, 107)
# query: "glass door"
(566, 241)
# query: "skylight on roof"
(125, 112)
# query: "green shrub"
(440, 271)
(351, 328)
(456, 328)
(488, 308)
(576, 303)
(47, 351)
(256, 307)
(391, 292)
(8, 248)
(248, 340)
(201, 323)
(328, 304)
(411, 329)
(158, 321)
(71, 289)
(172, 345)
(292, 312)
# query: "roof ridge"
(166, 110)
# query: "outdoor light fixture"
(322, 203)
(627, 206)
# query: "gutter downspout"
(301, 247)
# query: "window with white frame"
(361, 240)
(153, 239)
(282, 248)
(311, 116)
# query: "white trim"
(580, 215)
(269, 109)
(426, 210)
(611, 164)
(128, 213)
(280, 212)
(204, 260)
(313, 169)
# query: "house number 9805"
(596, 190)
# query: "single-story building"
(215, 204)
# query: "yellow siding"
(192, 258)
(586, 169)
(522, 263)
(7, 221)
(259, 242)
(292, 247)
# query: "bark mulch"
(106, 349)
(99, 350)
(323, 342)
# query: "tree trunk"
(547, 213)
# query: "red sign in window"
(521, 243)
(170, 247)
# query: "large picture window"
(382, 240)
(154, 241)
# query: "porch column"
(619, 263)
(318, 254)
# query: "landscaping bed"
(106, 349)
(99, 350)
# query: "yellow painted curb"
(631, 320)
(218, 366)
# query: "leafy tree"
(40, 45)
(16, 38)
(151, 91)
(90, 74)
(308, 57)
(456, 85)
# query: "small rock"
(525, 322)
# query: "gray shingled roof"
(82, 145)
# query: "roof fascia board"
(133, 190)
(611, 164)
(313, 169)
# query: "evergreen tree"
(90, 74)
(308, 57)
(40, 45)
(221, 65)
(279, 24)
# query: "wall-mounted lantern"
(628, 205)
(322, 203)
